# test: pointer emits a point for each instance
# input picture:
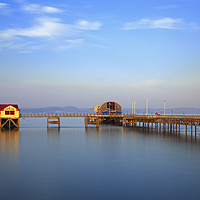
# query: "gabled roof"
(2, 106)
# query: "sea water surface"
(111, 162)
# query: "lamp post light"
(132, 107)
(164, 106)
(147, 102)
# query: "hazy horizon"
(95, 105)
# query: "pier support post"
(49, 121)
(186, 128)
(195, 129)
(92, 120)
(124, 121)
(86, 122)
(97, 122)
(170, 126)
(9, 123)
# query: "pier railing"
(36, 115)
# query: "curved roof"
(98, 106)
(101, 104)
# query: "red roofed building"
(9, 114)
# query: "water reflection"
(53, 138)
(91, 129)
(51, 131)
(9, 142)
(169, 136)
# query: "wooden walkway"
(35, 115)
(172, 122)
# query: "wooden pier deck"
(171, 122)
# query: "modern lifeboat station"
(104, 113)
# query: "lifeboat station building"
(9, 115)
(108, 108)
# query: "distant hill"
(73, 109)
(66, 109)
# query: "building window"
(6, 112)
(9, 112)
(12, 112)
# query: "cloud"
(162, 23)
(44, 27)
(3, 5)
(21, 46)
(86, 25)
(35, 35)
(53, 29)
(166, 7)
(152, 83)
(49, 27)
(69, 44)
(38, 9)
(4, 8)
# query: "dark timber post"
(97, 122)
(168, 125)
(195, 129)
(186, 127)
(86, 122)
(124, 121)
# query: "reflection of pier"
(171, 122)
(178, 137)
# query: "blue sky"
(81, 53)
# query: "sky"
(84, 52)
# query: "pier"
(105, 113)
(170, 122)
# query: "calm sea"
(75, 163)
